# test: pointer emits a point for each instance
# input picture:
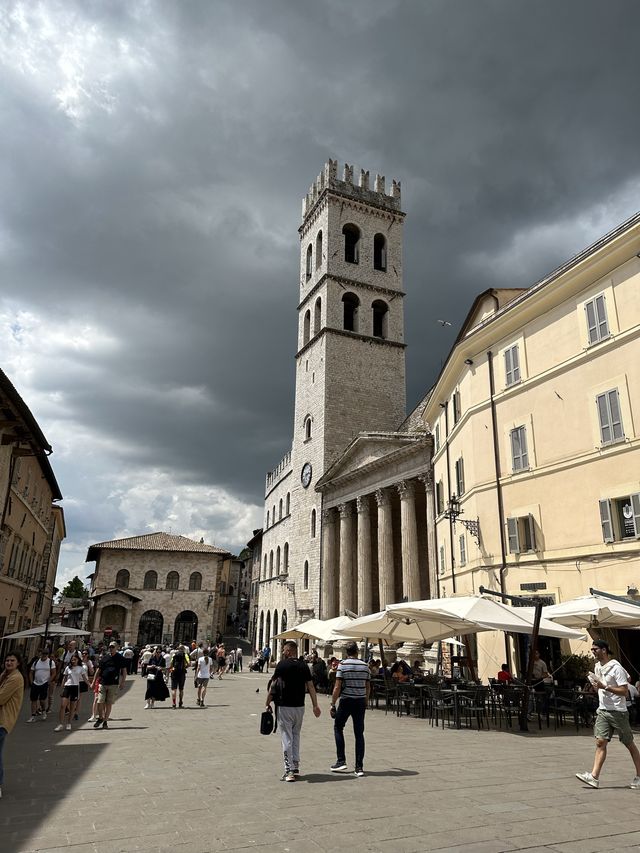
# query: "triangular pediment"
(367, 450)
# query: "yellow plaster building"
(536, 424)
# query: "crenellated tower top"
(328, 180)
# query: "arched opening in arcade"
(186, 627)
(150, 628)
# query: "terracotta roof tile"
(156, 542)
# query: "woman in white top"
(203, 674)
(73, 676)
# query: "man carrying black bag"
(291, 679)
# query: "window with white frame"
(460, 476)
(620, 518)
(512, 365)
(439, 497)
(436, 438)
(443, 561)
(519, 454)
(463, 551)
(457, 410)
(521, 533)
(609, 417)
(597, 322)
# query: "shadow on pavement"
(393, 772)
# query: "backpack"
(179, 662)
(277, 691)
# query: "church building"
(345, 509)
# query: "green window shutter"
(605, 520)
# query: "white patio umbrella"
(325, 630)
(471, 614)
(52, 630)
(588, 611)
(383, 626)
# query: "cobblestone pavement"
(204, 780)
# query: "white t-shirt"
(613, 675)
(73, 676)
(128, 653)
(167, 659)
(146, 656)
(204, 668)
(42, 671)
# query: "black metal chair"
(442, 705)
(473, 705)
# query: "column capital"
(345, 510)
(363, 505)
(427, 479)
(406, 490)
(329, 515)
(382, 496)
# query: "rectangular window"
(457, 411)
(443, 564)
(460, 476)
(436, 438)
(12, 619)
(609, 417)
(463, 551)
(439, 497)
(597, 324)
(519, 455)
(521, 534)
(620, 518)
(512, 365)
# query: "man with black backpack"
(178, 668)
(291, 680)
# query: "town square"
(319, 426)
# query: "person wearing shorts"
(41, 674)
(74, 675)
(610, 679)
(178, 668)
(112, 673)
(203, 674)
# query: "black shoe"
(97, 723)
(76, 717)
(339, 765)
(180, 705)
(104, 724)
(359, 771)
(296, 772)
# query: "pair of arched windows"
(351, 315)
(352, 240)
(309, 258)
(317, 321)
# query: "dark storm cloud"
(154, 156)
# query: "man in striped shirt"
(352, 688)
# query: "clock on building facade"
(305, 474)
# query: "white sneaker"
(588, 779)
(635, 782)
(91, 719)
(146, 707)
(31, 719)
(58, 728)
(43, 716)
(68, 727)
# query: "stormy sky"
(153, 157)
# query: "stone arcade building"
(346, 519)
(156, 588)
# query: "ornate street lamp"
(454, 512)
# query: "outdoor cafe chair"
(473, 705)
(564, 703)
(442, 705)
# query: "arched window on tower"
(317, 316)
(264, 574)
(288, 503)
(380, 253)
(309, 265)
(305, 578)
(285, 558)
(307, 428)
(280, 510)
(313, 524)
(351, 243)
(270, 564)
(350, 303)
(380, 319)
(278, 560)
(319, 250)
(306, 330)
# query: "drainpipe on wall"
(451, 522)
(501, 521)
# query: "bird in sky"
(444, 322)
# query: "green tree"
(74, 589)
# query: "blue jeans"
(3, 735)
(355, 709)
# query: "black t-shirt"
(110, 666)
(295, 674)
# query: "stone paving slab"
(202, 780)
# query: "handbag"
(151, 676)
(266, 722)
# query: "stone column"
(386, 581)
(128, 616)
(346, 557)
(409, 531)
(329, 565)
(432, 551)
(365, 599)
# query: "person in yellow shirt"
(11, 692)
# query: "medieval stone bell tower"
(350, 360)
